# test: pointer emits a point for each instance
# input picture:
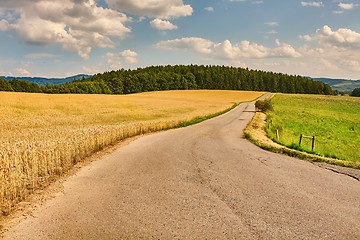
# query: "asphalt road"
(201, 182)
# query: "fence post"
(313, 143)
(277, 134)
(300, 139)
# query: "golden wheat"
(43, 136)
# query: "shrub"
(263, 105)
(356, 92)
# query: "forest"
(178, 77)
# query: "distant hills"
(51, 81)
(340, 84)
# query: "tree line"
(178, 77)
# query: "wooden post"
(300, 139)
(313, 143)
(277, 134)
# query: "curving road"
(201, 182)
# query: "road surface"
(201, 182)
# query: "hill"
(178, 77)
(51, 81)
(341, 85)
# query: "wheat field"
(43, 136)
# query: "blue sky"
(58, 38)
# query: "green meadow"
(333, 120)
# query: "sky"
(60, 38)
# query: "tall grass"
(333, 120)
(43, 136)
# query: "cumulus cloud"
(162, 24)
(341, 38)
(81, 25)
(129, 56)
(162, 9)
(4, 25)
(115, 59)
(228, 50)
(78, 26)
(312, 4)
(347, 6)
(341, 46)
(344, 7)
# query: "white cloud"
(163, 9)
(41, 55)
(272, 32)
(284, 50)
(347, 6)
(23, 72)
(4, 25)
(115, 59)
(341, 38)
(2, 73)
(272, 24)
(354, 65)
(78, 26)
(200, 45)
(338, 11)
(162, 24)
(340, 47)
(257, 2)
(312, 4)
(129, 56)
(307, 50)
(10, 15)
(209, 9)
(229, 51)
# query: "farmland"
(334, 121)
(42, 136)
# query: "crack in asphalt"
(338, 171)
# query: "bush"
(263, 105)
(356, 92)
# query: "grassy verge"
(263, 126)
(203, 118)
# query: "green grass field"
(333, 120)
